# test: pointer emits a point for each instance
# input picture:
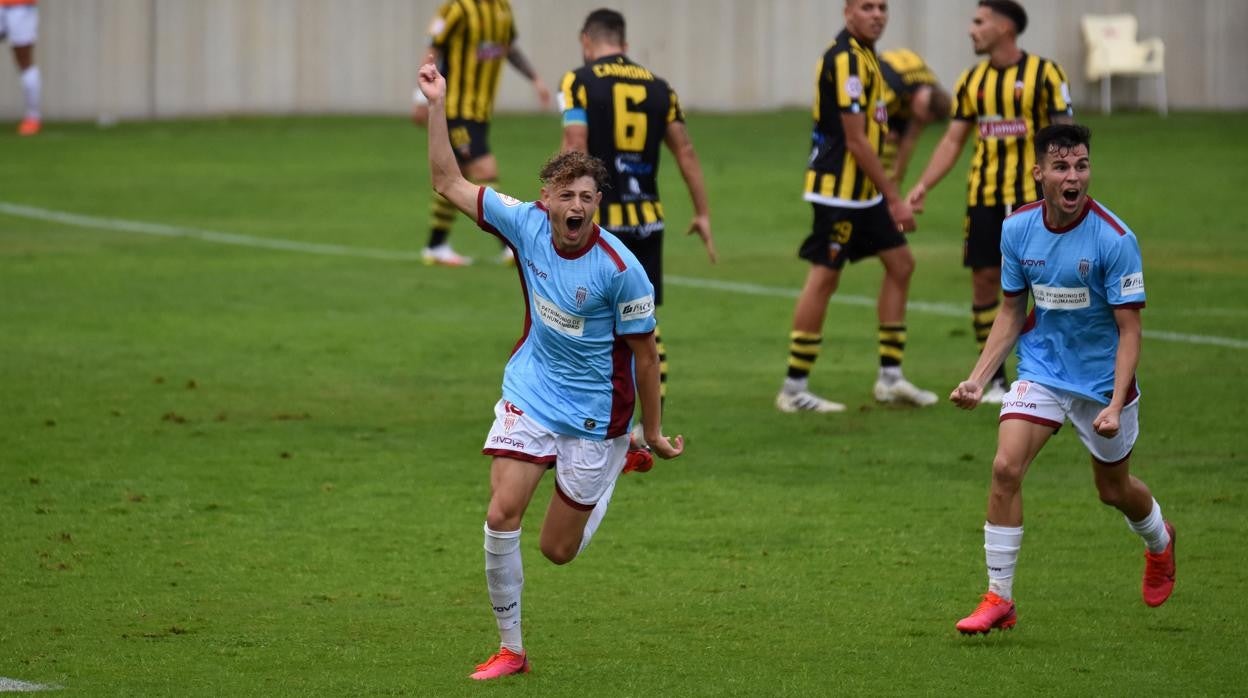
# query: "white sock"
(595, 518)
(1152, 529)
(30, 87)
(1001, 544)
(793, 386)
(890, 374)
(504, 576)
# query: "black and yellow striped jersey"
(904, 72)
(472, 38)
(849, 82)
(1009, 106)
(627, 110)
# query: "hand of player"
(543, 93)
(666, 448)
(902, 215)
(1106, 423)
(916, 196)
(967, 395)
(431, 82)
(702, 226)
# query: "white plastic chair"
(1114, 50)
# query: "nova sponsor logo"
(1021, 404)
(508, 607)
(1133, 284)
(1032, 262)
(536, 271)
(1059, 298)
(507, 441)
(555, 318)
(636, 309)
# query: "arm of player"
(443, 169)
(420, 104)
(1125, 362)
(677, 139)
(521, 63)
(905, 149)
(646, 370)
(855, 128)
(943, 159)
(1005, 331)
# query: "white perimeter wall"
(170, 58)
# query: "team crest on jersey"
(881, 111)
(1085, 266)
(581, 294)
(511, 417)
(853, 86)
(508, 200)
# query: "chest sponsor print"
(557, 319)
(1061, 298)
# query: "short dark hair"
(606, 25)
(1062, 137)
(572, 165)
(1010, 9)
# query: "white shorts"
(19, 24)
(584, 468)
(1038, 404)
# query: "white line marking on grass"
(8, 685)
(174, 231)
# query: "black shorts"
(649, 251)
(981, 244)
(840, 234)
(469, 139)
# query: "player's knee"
(1111, 493)
(500, 516)
(560, 552)
(1006, 474)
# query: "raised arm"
(943, 159)
(1005, 331)
(443, 169)
(677, 139)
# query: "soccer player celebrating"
(1077, 358)
(568, 389)
(620, 112)
(858, 213)
(1006, 98)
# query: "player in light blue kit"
(568, 389)
(1077, 352)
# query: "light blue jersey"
(571, 371)
(1077, 276)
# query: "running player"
(1077, 352)
(568, 390)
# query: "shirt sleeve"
(1013, 283)
(503, 215)
(848, 75)
(1124, 272)
(1058, 90)
(449, 15)
(674, 111)
(572, 101)
(634, 302)
(963, 107)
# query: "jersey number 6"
(630, 126)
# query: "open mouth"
(1070, 195)
(574, 223)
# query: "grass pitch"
(234, 470)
